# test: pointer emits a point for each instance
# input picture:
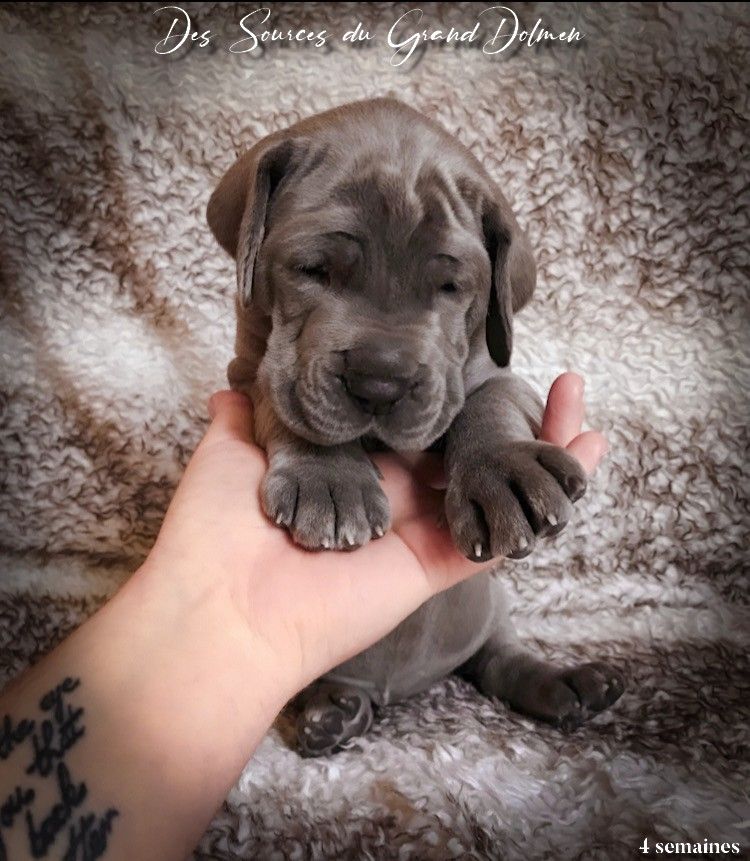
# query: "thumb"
(231, 415)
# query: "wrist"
(198, 619)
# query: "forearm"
(165, 700)
(503, 409)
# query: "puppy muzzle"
(377, 380)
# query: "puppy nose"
(376, 379)
(375, 394)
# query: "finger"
(426, 467)
(436, 551)
(407, 495)
(406, 568)
(589, 447)
(231, 415)
(429, 470)
(398, 573)
(563, 416)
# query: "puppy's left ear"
(513, 277)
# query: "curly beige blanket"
(626, 154)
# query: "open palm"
(317, 609)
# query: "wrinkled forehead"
(398, 206)
(405, 209)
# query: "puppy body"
(434, 641)
(379, 267)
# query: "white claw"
(327, 543)
(379, 531)
(478, 550)
(279, 519)
(523, 544)
(552, 520)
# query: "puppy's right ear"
(238, 209)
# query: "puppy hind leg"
(331, 714)
(562, 696)
(566, 698)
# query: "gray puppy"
(379, 267)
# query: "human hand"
(309, 611)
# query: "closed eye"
(317, 273)
(449, 287)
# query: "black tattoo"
(56, 734)
(60, 728)
(90, 836)
(42, 836)
(14, 804)
(10, 735)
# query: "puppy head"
(388, 264)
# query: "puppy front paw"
(326, 503)
(499, 502)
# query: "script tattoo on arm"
(47, 737)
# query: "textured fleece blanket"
(626, 156)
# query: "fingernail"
(578, 380)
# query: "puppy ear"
(238, 209)
(513, 277)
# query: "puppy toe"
(555, 702)
(543, 502)
(468, 527)
(486, 521)
(314, 524)
(377, 509)
(279, 497)
(511, 533)
(352, 526)
(566, 469)
(597, 685)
